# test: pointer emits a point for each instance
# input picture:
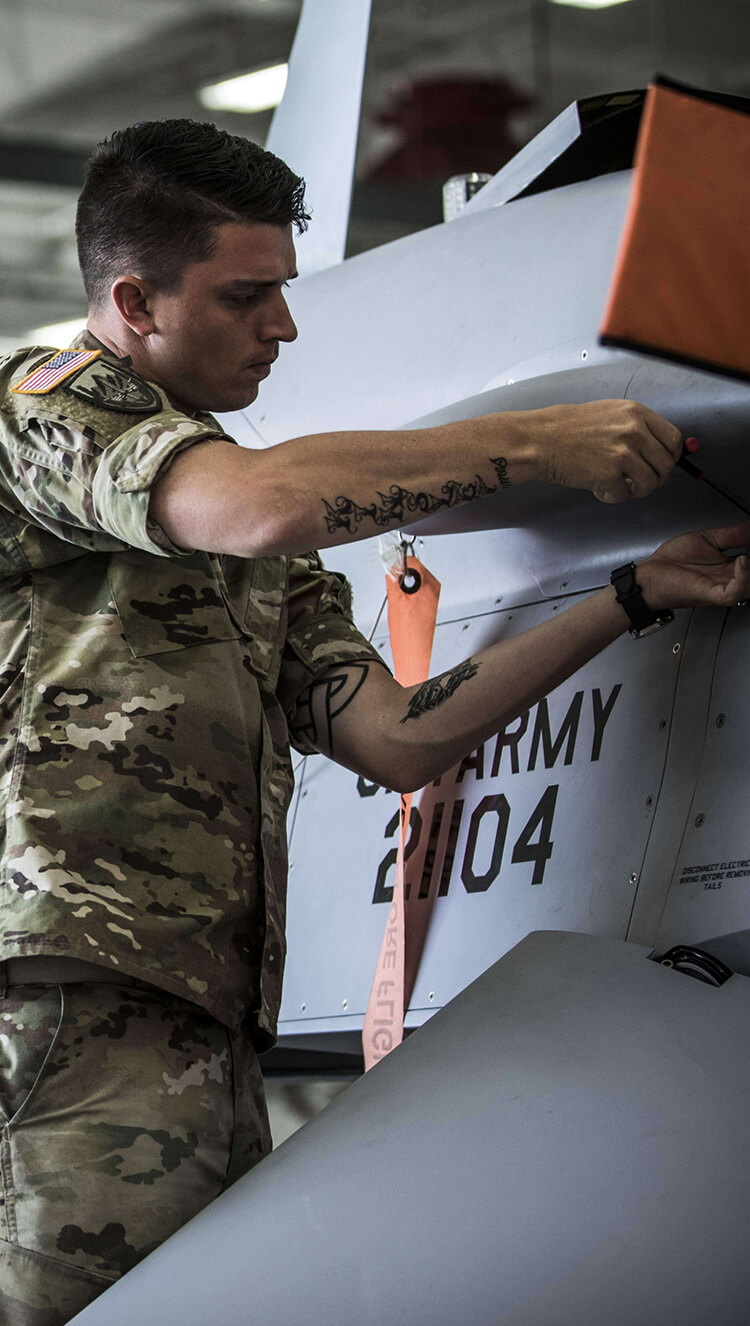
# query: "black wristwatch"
(630, 595)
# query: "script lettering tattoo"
(323, 701)
(438, 689)
(501, 470)
(398, 503)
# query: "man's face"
(217, 335)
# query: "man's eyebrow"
(247, 283)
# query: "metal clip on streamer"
(409, 579)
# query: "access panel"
(544, 826)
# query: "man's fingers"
(658, 457)
(638, 478)
(737, 588)
(730, 536)
(641, 476)
(650, 452)
(666, 434)
(617, 490)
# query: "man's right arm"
(333, 488)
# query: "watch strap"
(630, 595)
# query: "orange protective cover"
(681, 287)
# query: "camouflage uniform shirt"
(145, 693)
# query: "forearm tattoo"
(323, 701)
(501, 470)
(395, 506)
(438, 689)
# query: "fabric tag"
(411, 622)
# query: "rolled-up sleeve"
(92, 491)
(128, 470)
(320, 635)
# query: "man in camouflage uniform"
(162, 634)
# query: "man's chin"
(225, 402)
(237, 400)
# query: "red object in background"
(450, 126)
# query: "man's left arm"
(404, 737)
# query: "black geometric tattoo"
(398, 503)
(438, 689)
(323, 701)
(501, 470)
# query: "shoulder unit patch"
(110, 387)
(62, 365)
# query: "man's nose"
(280, 325)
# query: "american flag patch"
(62, 364)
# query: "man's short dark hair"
(155, 193)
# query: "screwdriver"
(690, 446)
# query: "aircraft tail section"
(315, 127)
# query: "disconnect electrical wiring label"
(710, 889)
(713, 873)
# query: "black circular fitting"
(410, 580)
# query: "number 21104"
(534, 844)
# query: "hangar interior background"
(449, 88)
(73, 70)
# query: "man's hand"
(617, 449)
(693, 570)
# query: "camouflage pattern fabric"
(145, 692)
(123, 1112)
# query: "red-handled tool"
(690, 446)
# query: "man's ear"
(131, 297)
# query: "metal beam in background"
(32, 286)
(157, 76)
(36, 162)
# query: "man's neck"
(95, 333)
(101, 335)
